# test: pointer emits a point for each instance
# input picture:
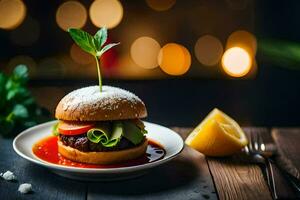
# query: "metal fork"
(255, 148)
(269, 156)
(258, 148)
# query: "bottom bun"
(103, 158)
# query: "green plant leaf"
(11, 84)
(106, 48)
(20, 111)
(11, 94)
(84, 40)
(17, 92)
(100, 38)
(21, 72)
(9, 117)
(92, 45)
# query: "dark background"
(269, 99)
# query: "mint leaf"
(21, 72)
(84, 40)
(92, 45)
(20, 111)
(11, 94)
(17, 92)
(106, 48)
(100, 38)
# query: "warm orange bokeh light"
(80, 56)
(208, 50)
(174, 59)
(160, 5)
(71, 14)
(13, 13)
(106, 13)
(144, 52)
(130, 70)
(236, 62)
(243, 39)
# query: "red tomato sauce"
(47, 150)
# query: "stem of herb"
(99, 73)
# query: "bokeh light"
(160, 5)
(128, 69)
(106, 13)
(79, 56)
(144, 52)
(13, 13)
(208, 50)
(243, 39)
(71, 14)
(236, 62)
(29, 28)
(174, 59)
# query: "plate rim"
(94, 170)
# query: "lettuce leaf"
(109, 137)
(133, 133)
(110, 134)
(55, 129)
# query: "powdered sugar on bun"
(88, 104)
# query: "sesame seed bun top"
(88, 104)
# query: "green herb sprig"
(18, 109)
(93, 45)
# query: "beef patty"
(82, 143)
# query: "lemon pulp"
(217, 135)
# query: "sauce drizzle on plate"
(47, 150)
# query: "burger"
(101, 127)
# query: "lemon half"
(217, 135)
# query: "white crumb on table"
(25, 188)
(8, 176)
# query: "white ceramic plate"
(171, 142)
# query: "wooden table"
(190, 176)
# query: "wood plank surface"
(46, 185)
(186, 177)
(237, 178)
(287, 140)
(189, 176)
